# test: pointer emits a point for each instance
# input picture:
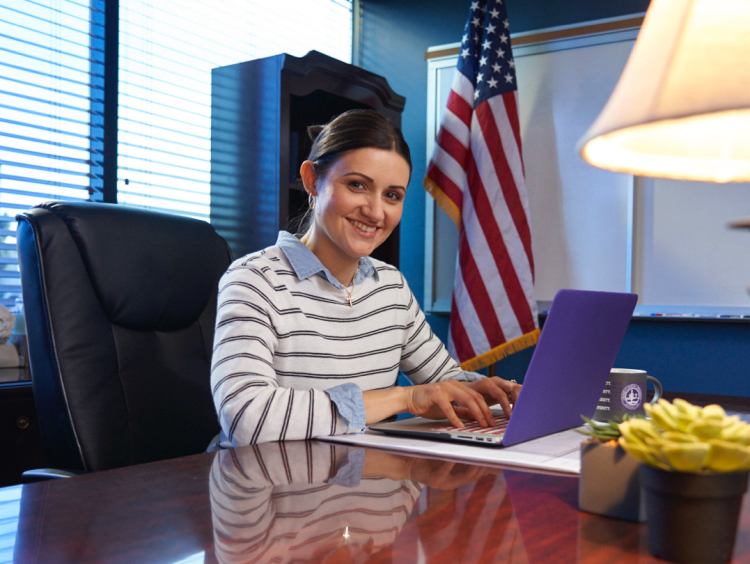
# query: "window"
(52, 110)
(51, 80)
(167, 50)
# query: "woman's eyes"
(393, 195)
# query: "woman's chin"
(364, 250)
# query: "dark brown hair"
(355, 129)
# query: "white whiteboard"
(689, 256)
(593, 229)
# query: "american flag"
(476, 175)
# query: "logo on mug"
(631, 396)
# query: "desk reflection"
(320, 502)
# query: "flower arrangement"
(686, 438)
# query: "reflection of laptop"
(565, 378)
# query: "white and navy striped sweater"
(281, 341)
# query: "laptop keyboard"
(501, 422)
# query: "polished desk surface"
(317, 502)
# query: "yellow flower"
(687, 438)
(727, 457)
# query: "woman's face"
(359, 202)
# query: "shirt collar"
(305, 264)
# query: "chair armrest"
(42, 474)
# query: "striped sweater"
(281, 341)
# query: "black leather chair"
(120, 308)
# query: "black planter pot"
(692, 518)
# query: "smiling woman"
(311, 333)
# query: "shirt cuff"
(349, 403)
(464, 376)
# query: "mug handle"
(657, 388)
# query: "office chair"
(120, 308)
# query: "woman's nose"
(373, 209)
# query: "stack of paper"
(554, 453)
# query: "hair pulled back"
(355, 129)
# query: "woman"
(311, 333)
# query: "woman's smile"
(362, 227)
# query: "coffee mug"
(624, 394)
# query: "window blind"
(51, 78)
(10, 509)
(167, 49)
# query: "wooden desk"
(294, 502)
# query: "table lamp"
(681, 108)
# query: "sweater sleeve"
(251, 405)
(424, 358)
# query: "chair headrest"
(150, 270)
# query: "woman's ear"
(307, 172)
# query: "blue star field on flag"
(486, 58)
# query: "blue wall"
(687, 356)
(696, 356)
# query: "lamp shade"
(681, 108)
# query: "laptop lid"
(567, 373)
(571, 363)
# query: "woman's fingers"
(504, 402)
(502, 391)
(474, 402)
(434, 400)
(441, 396)
(487, 419)
(447, 408)
(464, 413)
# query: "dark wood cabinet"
(20, 439)
(260, 111)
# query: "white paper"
(559, 452)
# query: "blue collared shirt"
(306, 264)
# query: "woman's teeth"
(362, 226)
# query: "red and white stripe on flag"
(476, 175)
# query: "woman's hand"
(451, 399)
(435, 401)
(496, 391)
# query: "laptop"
(564, 380)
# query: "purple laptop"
(565, 378)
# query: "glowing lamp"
(681, 108)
